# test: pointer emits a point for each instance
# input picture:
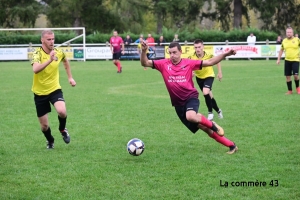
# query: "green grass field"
(106, 110)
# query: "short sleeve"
(63, 56)
(158, 64)
(36, 57)
(196, 64)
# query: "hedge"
(184, 35)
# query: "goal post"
(77, 53)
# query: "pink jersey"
(178, 78)
(116, 43)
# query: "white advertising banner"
(98, 53)
(13, 54)
(242, 51)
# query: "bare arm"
(111, 48)
(279, 56)
(220, 75)
(218, 58)
(123, 49)
(37, 67)
(144, 60)
(68, 70)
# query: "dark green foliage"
(236, 35)
(19, 13)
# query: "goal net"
(73, 45)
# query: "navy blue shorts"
(191, 104)
(117, 55)
(291, 68)
(42, 102)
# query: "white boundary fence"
(101, 51)
(24, 52)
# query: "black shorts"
(191, 104)
(117, 56)
(42, 102)
(291, 68)
(207, 82)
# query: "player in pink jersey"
(116, 42)
(177, 74)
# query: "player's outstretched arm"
(144, 60)
(68, 70)
(218, 58)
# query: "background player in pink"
(177, 75)
(116, 42)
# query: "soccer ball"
(135, 147)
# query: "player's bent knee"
(192, 117)
(62, 113)
(44, 127)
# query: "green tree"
(130, 13)
(176, 12)
(88, 13)
(276, 14)
(16, 13)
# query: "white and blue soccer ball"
(135, 147)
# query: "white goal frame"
(64, 43)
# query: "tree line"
(138, 16)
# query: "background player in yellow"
(205, 78)
(46, 88)
(291, 46)
(139, 48)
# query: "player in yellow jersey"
(205, 78)
(291, 46)
(46, 88)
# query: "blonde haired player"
(205, 78)
(46, 88)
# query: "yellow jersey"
(291, 48)
(139, 46)
(205, 71)
(47, 80)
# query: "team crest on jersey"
(169, 67)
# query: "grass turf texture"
(106, 110)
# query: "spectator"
(176, 39)
(150, 40)
(138, 40)
(251, 39)
(279, 40)
(161, 40)
(127, 40)
(296, 35)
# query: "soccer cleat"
(298, 90)
(220, 130)
(289, 92)
(232, 149)
(220, 114)
(66, 136)
(210, 116)
(50, 145)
